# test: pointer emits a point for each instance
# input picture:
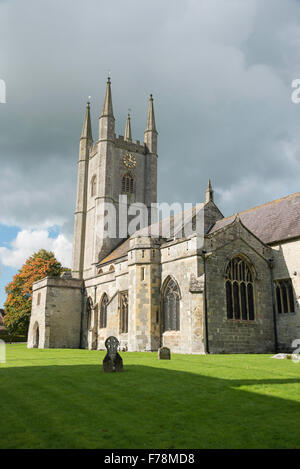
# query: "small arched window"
(93, 186)
(171, 306)
(124, 312)
(111, 269)
(239, 290)
(128, 184)
(89, 313)
(103, 311)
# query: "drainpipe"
(205, 303)
(271, 266)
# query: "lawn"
(62, 399)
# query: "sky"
(220, 72)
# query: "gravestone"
(112, 360)
(164, 353)
(2, 352)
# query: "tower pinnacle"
(107, 110)
(127, 135)
(209, 192)
(107, 120)
(87, 127)
(150, 138)
(150, 127)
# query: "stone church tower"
(110, 167)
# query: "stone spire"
(150, 138)
(127, 135)
(87, 127)
(209, 193)
(107, 120)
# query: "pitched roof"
(120, 251)
(271, 222)
(169, 227)
(274, 221)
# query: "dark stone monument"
(112, 360)
(164, 353)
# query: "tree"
(19, 291)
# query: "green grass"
(62, 399)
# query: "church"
(225, 285)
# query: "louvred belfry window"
(128, 184)
(239, 290)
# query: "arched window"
(124, 312)
(128, 184)
(93, 186)
(239, 290)
(171, 306)
(103, 311)
(89, 313)
(284, 296)
(111, 269)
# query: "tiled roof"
(274, 221)
(120, 251)
(168, 227)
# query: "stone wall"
(180, 261)
(144, 295)
(287, 265)
(230, 335)
(58, 314)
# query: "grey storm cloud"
(220, 72)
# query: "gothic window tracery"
(93, 186)
(124, 312)
(171, 306)
(103, 311)
(89, 313)
(284, 296)
(239, 290)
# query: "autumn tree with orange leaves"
(19, 292)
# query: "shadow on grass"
(79, 406)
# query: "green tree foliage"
(19, 291)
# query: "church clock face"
(129, 160)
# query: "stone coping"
(57, 282)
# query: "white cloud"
(29, 241)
